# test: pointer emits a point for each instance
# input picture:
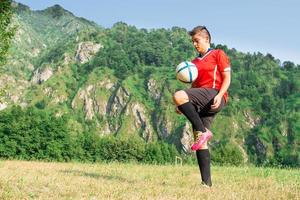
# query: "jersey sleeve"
(223, 62)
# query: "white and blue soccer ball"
(186, 72)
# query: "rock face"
(97, 106)
(187, 138)
(260, 147)
(67, 59)
(2, 106)
(141, 120)
(251, 121)
(116, 106)
(85, 96)
(163, 126)
(41, 76)
(12, 89)
(86, 50)
(154, 90)
(113, 109)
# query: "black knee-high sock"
(190, 112)
(203, 157)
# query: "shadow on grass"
(96, 175)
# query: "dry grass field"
(42, 180)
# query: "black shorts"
(202, 99)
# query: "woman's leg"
(182, 101)
(203, 154)
(191, 103)
(203, 158)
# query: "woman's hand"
(217, 102)
(225, 85)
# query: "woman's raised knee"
(180, 97)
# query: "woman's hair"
(201, 29)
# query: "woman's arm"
(225, 85)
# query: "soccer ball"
(186, 72)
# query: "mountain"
(120, 81)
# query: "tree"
(6, 30)
(288, 65)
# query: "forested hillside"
(73, 90)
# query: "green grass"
(40, 180)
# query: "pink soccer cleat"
(200, 139)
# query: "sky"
(266, 26)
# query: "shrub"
(160, 153)
(226, 154)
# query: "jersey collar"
(204, 55)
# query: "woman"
(206, 97)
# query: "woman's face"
(200, 42)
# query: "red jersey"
(210, 66)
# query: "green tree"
(34, 134)
(6, 30)
(153, 154)
(227, 154)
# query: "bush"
(226, 154)
(33, 134)
(286, 158)
(120, 149)
(160, 153)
